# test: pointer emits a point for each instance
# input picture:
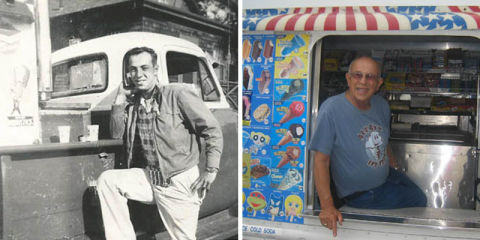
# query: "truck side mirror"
(215, 65)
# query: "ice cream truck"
(47, 178)
(295, 58)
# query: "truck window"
(190, 69)
(82, 75)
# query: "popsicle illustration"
(246, 47)
(295, 109)
(293, 207)
(292, 153)
(292, 67)
(264, 82)
(257, 49)
(296, 43)
(275, 205)
(294, 131)
(247, 78)
(256, 201)
(268, 49)
(246, 107)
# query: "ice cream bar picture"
(246, 108)
(257, 50)
(246, 47)
(292, 67)
(247, 78)
(256, 201)
(268, 49)
(294, 131)
(264, 82)
(259, 171)
(296, 43)
(292, 178)
(295, 109)
(295, 87)
(275, 205)
(292, 153)
(261, 113)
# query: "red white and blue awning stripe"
(368, 18)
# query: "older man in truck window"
(351, 139)
(161, 127)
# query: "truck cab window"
(82, 75)
(190, 69)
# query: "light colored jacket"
(181, 119)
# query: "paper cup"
(92, 133)
(64, 134)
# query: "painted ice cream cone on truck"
(295, 131)
(285, 139)
(292, 153)
(294, 110)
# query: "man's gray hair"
(379, 64)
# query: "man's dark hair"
(138, 50)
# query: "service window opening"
(431, 85)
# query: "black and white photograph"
(119, 119)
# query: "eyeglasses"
(359, 75)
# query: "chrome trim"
(314, 104)
(420, 217)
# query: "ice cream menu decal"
(19, 117)
(274, 121)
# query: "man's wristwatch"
(211, 169)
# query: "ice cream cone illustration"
(295, 87)
(292, 67)
(294, 131)
(246, 47)
(20, 81)
(294, 110)
(256, 201)
(285, 139)
(292, 153)
(264, 82)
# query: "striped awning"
(369, 18)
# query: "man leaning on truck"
(161, 126)
(351, 139)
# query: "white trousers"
(177, 204)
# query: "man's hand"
(123, 94)
(329, 217)
(203, 182)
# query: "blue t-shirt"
(356, 141)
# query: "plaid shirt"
(144, 126)
(145, 131)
